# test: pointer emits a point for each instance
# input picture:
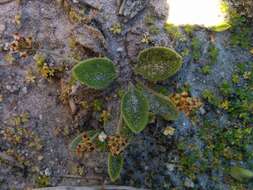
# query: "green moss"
(218, 147)
(97, 105)
(150, 23)
(225, 88)
(149, 20)
(189, 29)
(154, 30)
(206, 70)
(211, 97)
(213, 53)
(236, 97)
(196, 49)
(241, 31)
(42, 181)
(173, 31)
(158, 63)
(235, 78)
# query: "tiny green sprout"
(206, 70)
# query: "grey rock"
(90, 38)
(188, 183)
(130, 8)
(160, 8)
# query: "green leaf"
(160, 105)
(97, 73)
(221, 27)
(158, 63)
(115, 164)
(135, 108)
(241, 174)
(73, 145)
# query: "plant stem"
(120, 122)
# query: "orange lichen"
(116, 144)
(185, 103)
(22, 45)
(85, 146)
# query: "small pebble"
(120, 49)
(170, 167)
(47, 172)
(188, 183)
(102, 136)
(202, 111)
(40, 158)
(24, 90)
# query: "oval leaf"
(97, 73)
(160, 105)
(221, 27)
(115, 164)
(73, 145)
(134, 108)
(158, 63)
(241, 174)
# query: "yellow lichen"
(116, 28)
(105, 116)
(30, 78)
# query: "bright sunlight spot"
(199, 12)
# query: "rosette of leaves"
(154, 64)
(97, 73)
(158, 63)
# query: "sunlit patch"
(195, 12)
